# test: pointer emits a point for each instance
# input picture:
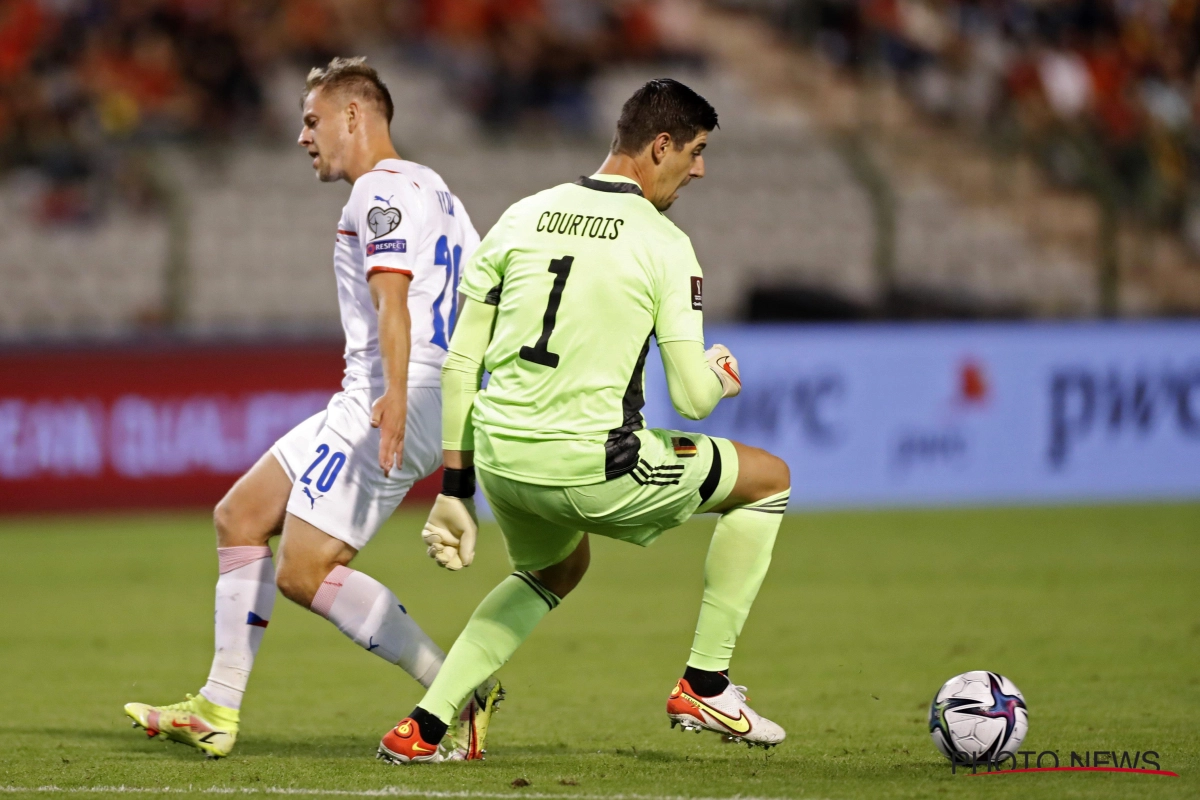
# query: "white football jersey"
(401, 217)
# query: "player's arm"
(697, 379)
(451, 527)
(462, 376)
(389, 293)
(386, 215)
(695, 388)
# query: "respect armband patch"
(697, 293)
(388, 246)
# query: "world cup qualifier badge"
(697, 293)
(383, 221)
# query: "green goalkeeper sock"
(733, 572)
(502, 621)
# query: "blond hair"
(351, 76)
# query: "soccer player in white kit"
(332, 481)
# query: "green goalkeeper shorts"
(678, 474)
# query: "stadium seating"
(779, 206)
(94, 280)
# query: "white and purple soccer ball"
(978, 717)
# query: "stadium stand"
(168, 222)
(1100, 98)
(94, 281)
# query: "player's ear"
(658, 147)
(353, 116)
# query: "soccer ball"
(978, 717)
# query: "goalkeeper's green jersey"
(582, 275)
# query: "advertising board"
(150, 426)
(937, 414)
(865, 415)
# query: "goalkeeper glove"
(722, 362)
(450, 531)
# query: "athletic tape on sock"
(231, 558)
(323, 599)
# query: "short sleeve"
(484, 273)
(678, 314)
(386, 215)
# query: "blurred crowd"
(83, 84)
(87, 85)
(1105, 93)
(527, 64)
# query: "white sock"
(366, 611)
(245, 599)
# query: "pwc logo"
(946, 441)
(1103, 406)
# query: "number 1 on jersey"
(540, 352)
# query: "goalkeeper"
(561, 299)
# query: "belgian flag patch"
(684, 447)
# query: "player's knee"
(564, 576)
(225, 520)
(563, 582)
(773, 477)
(780, 476)
(236, 526)
(572, 577)
(296, 582)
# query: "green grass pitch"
(1093, 612)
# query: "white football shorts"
(333, 460)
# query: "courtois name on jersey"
(402, 218)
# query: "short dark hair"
(353, 76)
(663, 105)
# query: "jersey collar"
(610, 183)
(392, 165)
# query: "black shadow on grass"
(562, 749)
(130, 741)
(340, 746)
(125, 735)
(548, 749)
(654, 756)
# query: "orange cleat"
(403, 745)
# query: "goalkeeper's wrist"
(458, 482)
(728, 387)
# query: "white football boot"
(726, 713)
